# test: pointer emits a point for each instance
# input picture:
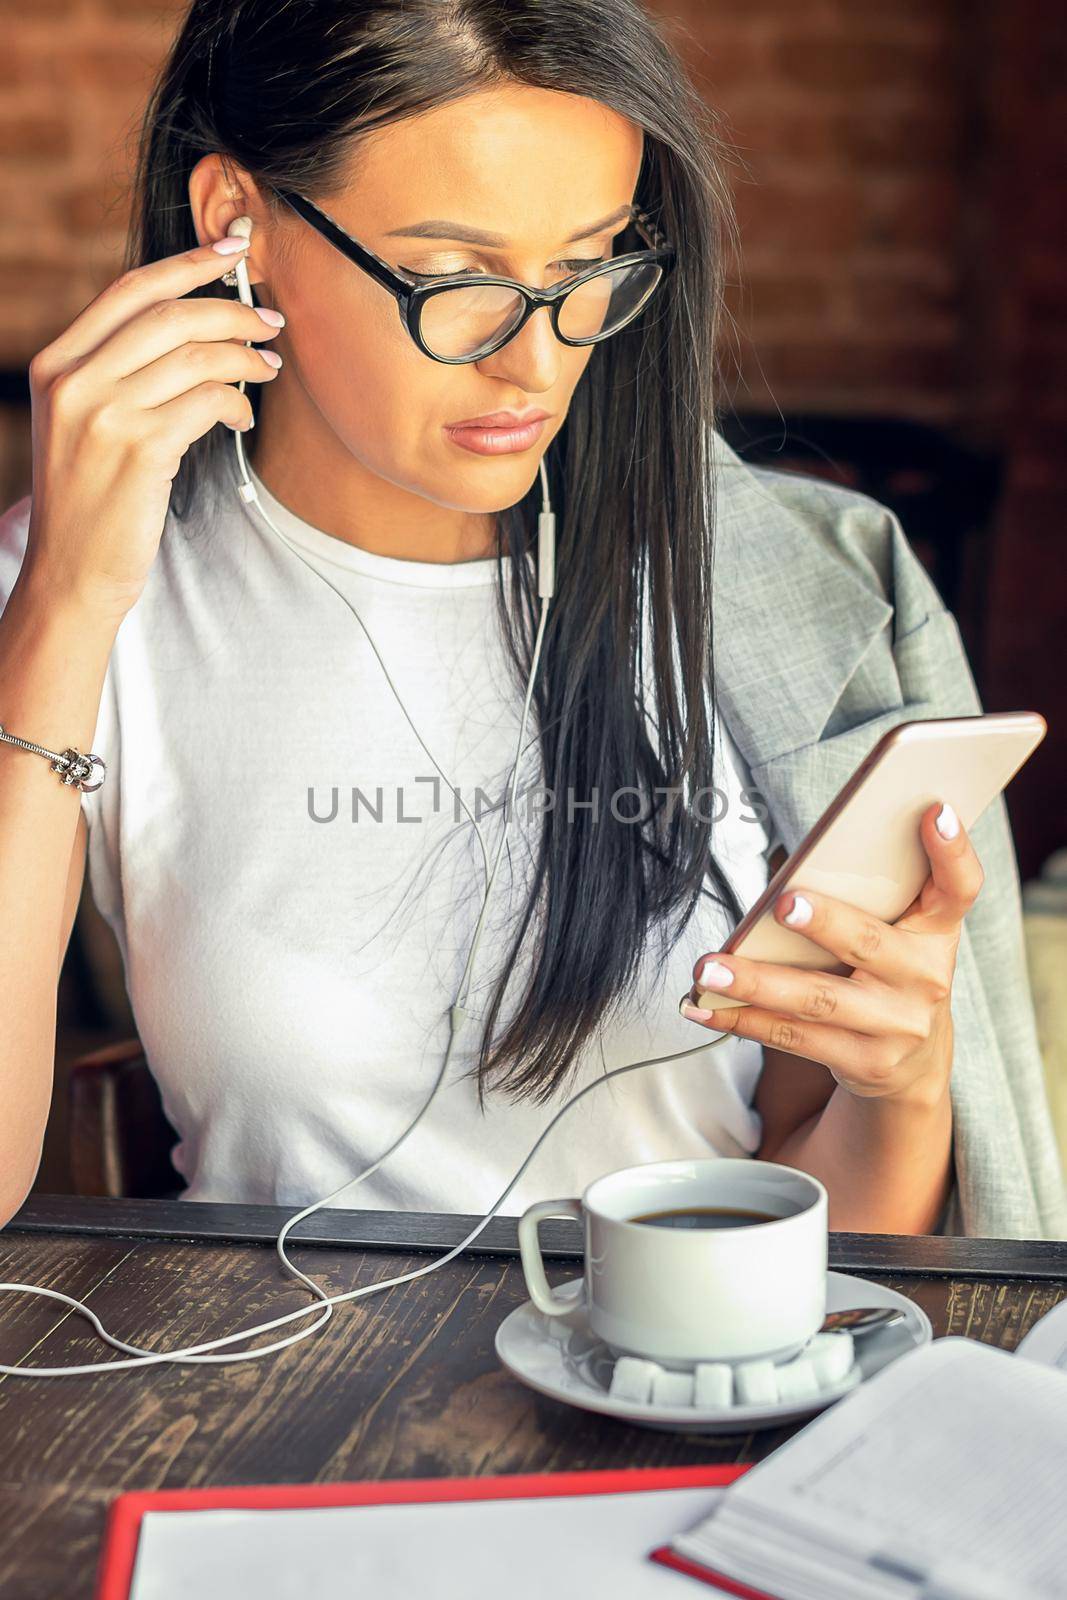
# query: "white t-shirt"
(291, 969)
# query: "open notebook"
(523, 1535)
(944, 1472)
(943, 1477)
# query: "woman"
(293, 949)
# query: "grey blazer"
(829, 631)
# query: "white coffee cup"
(684, 1294)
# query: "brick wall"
(851, 185)
(894, 179)
(850, 121)
(902, 255)
(73, 78)
(1021, 240)
(902, 252)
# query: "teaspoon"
(862, 1319)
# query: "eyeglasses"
(457, 320)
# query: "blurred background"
(898, 322)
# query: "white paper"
(1047, 1339)
(945, 1475)
(524, 1549)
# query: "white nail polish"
(714, 975)
(946, 822)
(800, 914)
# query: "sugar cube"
(756, 1383)
(797, 1379)
(713, 1384)
(831, 1355)
(672, 1389)
(632, 1379)
(826, 1362)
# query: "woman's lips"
(486, 441)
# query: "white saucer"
(576, 1367)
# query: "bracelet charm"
(73, 767)
(76, 768)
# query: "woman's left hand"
(884, 1029)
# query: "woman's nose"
(532, 359)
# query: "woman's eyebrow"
(437, 229)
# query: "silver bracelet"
(72, 766)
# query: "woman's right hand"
(117, 400)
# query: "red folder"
(694, 1569)
(119, 1549)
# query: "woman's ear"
(218, 194)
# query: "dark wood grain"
(404, 1382)
(72, 1266)
(924, 1254)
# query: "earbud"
(238, 277)
(546, 522)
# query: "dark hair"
(285, 89)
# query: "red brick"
(708, 16)
(787, 295)
(820, 217)
(722, 63)
(919, 136)
(154, 9)
(104, 68)
(28, 277)
(769, 137)
(884, 299)
(13, 70)
(850, 66)
(94, 208)
(41, 9)
(821, 138)
(33, 138)
(859, 364)
(911, 211)
(925, 15)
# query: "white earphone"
(199, 1354)
(546, 527)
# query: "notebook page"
(1047, 1339)
(526, 1549)
(946, 1467)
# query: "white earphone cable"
(198, 1354)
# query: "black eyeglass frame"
(411, 295)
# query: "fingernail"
(714, 975)
(946, 822)
(693, 1013)
(800, 914)
(275, 318)
(230, 245)
(271, 357)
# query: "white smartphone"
(865, 848)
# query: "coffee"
(719, 1287)
(704, 1217)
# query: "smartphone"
(865, 848)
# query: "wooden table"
(404, 1383)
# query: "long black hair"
(286, 89)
